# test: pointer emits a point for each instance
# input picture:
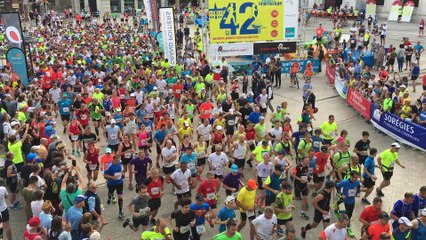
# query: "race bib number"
(66, 109)
(211, 196)
(118, 175)
(128, 155)
(113, 136)
(201, 154)
(92, 166)
(304, 178)
(263, 133)
(264, 153)
(392, 164)
(74, 137)
(317, 144)
(351, 192)
(263, 105)
(143, 211)
(191, 165)
(83, 117)
(155, 191)
(148, 128)
(326, 216)
(184, 229)
(122, 96)
(231, 122)
(144, 142)
(251, 142)
(246, 117)
(250, 214)
(178, 91)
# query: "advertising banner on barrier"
(370, 8)
(231, 49)
(240, 67)
(393, 15)
(361, 105)
(168, 29)
(246, 21)
(405, 132)
(330, 72)
(407, 11)
(341, 87)
(274, 47)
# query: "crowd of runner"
(190, 126)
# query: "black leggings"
(349, 209)
(278, 78)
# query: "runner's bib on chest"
(155, 190)
(66, 109)
(92, 166)
(74, 137)
(184, 229)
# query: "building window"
(380, 2)
(115, 6)
(129, 5)
(141, 5)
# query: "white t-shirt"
(3, 196)
(277, 133)
(36, 207)
(205, 131)
(334, 233)
(218, 162)
(181, 179)
(56, 94)
(139, 96)
(264, 226)
(40, 181)
(264, 170)
(166, 152)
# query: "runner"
(387, 160)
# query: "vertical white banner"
(148, 11)
(291, 13)
(168, 30)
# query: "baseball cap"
(234, 168)
(108, 150)
(279, 167)
(405, 221)
(262, 118)
(34, 222)
(324, 148)
(286, 186)
(65, 95)
(395, 144)
(199, 197)
(14, 123)
(282, 152)
(384, 215)
(79, 199)
(219, 128)
(252, 184)
(340, 139)
(229, 199)
(113, 121)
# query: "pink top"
(143, 139)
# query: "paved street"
(328, 102)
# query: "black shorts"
(319, 40)
(318, 217)
(269, 200)
(183, 195)
(240, 162)
(118, 188)
(201, 161)
(349, 209)
(125, 161)
(114, 148)
(4, 216)
(300, 189)
(169, 170)
(154, 203)
(408, 58)
(382, 36)
(143, 220)
(13, 187)
(140, 179)
(392, 61)
(88, 169)
(230, 130)
(214, 206)
(387, 175)
(318, 179)
(218, 176)
(414, 78)
(19, 166)
(263, 110)
(158, 149)
(284, 222)
(327, 142)
(260, 183)
(336, 39)
(369, 183)
(65, 117)
(244, 217)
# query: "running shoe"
(73, 152)
(303, 232)
(109, 201)
(130, 187)
(350, 232)
(120, 215)
(365, 201)
(211, 223)
(280, 232)
(249, 163)
(379, 193)
(114, 200)
(303, 215)
(78, 153)
(153, 221)
(126, 222)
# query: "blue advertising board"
(239, 67)
(341, 87)
(403, 131)
(18, 61)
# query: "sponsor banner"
(240, 67)
(330, 72)
(18, 62)
(291, 19)
(168, 30)
(148, 11)
(341, 87)
(370, 8)
(407, 12)
(393, 15)
(246, 21)
(274, 47)
(361, 105)
(405, 132)
(154, 6)
(10, 24)
(231, 49)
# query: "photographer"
(69, 188)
